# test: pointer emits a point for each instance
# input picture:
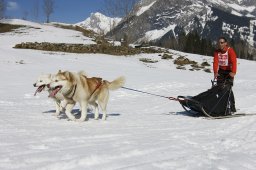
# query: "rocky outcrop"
(81, 48)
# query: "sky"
(66, 11)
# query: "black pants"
(224, 77)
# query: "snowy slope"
(43, 33)
(144, 8)
(141, 132)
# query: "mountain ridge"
(167, 19)
(99, 23)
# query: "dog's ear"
(52, 76)
(82, 73)
(70, 77)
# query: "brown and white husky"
(76, 87)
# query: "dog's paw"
(80, 120)
(68, 119)
(104, 117)
(72, 118)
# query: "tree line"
(190, 43)
(112, 8)
(47, 7)
(194, 43)
(2, 9)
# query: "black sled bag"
(214, 102)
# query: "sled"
(214, 103)
(195, 108)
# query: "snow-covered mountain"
(161, 20)
(99, 23)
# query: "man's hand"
(231, 74)
(216, 75)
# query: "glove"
(230, 81)
(216, 75)
(231, 74)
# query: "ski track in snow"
(141, 132)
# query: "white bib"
(223, 58)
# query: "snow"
(236, 13)
(42, 33)
(242, 8)
(99, 23)
(236, 8)
(252, 34)
(144, 8)
(250, 16)
(156, 34)
(141, 132)
(218, 2)
(233, 5)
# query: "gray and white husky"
(43, 84)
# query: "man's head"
(222, 43)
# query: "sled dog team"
(68, 88)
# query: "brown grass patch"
(167, 56)
(87, 33)
(8, 27)
(181, 61)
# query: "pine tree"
(2, 9)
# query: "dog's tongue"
(54, 92)
(39, 89)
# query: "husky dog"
(76, 87)
(43, 84)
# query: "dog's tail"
(116, 84)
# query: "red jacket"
(225, 60)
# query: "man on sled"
(225, 67)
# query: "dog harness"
(97, 86)
(72, 92)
